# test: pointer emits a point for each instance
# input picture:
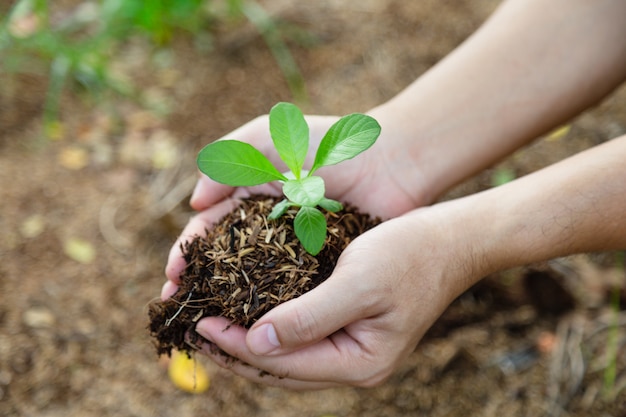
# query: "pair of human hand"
(388, 287)
(392, 282)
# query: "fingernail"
(263, 340)
(168, 289)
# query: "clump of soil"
(245, 266)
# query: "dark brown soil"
(87, 219)
(245, 266)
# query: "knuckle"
(304, 328)
(375, 368)
(378, 379)
(374, 379)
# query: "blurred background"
(103, 107)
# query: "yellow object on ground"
(558, 133)
(79, 250)
(187, 373)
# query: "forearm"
(533, 65)
(577, 205)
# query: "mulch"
(246, 266)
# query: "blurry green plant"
(273, 36)
(613, 342)
(501, 176)
(78, 45)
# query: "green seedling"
(74, 45)
(239, 164)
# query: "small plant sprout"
(239, 164)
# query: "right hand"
(389, 286)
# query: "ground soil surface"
(88, 216)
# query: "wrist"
(574, 206)
(445, 244)
(478, 235)
(439, 147)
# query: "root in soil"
(245, 266)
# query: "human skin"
(532, 66)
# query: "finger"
(260, 376)
(169, 289)
(235, 356)
(197, 226)
(338, 360)
(208, 192)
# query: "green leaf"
(330, 205)
(290, 134)
(279, 209)
(347, 138)
(237, 164)
(305, 192)
(310, 228)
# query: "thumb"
(332, 305)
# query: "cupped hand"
(387, 289)
(354, 328)
(382, 181)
